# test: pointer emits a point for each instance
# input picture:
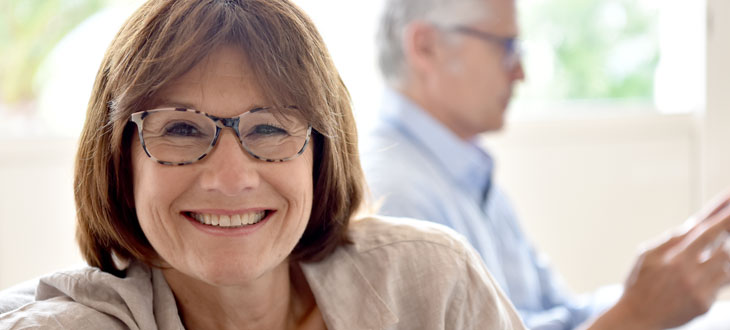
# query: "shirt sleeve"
(479, 302)
(58, 313)
(17, 296)
(559, 308)
(562, 310)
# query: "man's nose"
(518, 71)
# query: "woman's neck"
(280, 300)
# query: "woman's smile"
(228, 224)
(228, 220)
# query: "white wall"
(716, 127)
(36, 208)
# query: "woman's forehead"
(224, 62)
(223, 80)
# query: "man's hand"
(677, 279)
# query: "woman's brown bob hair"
(163, 40)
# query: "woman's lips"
(228, 220)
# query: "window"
(600, 56)
(348, 28)
(583, 57)
(38, 69)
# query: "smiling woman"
(218, 186)
(226, 185)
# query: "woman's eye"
(268, 130)
(182, 129)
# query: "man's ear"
(421, 43)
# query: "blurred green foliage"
(601, 49)
(29, 30)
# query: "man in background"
(450, 66)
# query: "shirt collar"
(467, 163)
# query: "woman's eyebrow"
(165, 103)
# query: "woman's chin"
(219, 273)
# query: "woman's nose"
(228, 168)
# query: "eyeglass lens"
(178, 136)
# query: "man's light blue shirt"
(418, 168)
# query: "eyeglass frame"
(511, 45)
(220, 123)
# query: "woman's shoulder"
(58, 313)
(392, 249)
(415, 274)
(50, 302)
(381, 232)
(84, 298)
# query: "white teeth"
(224, 221)
(251, 218)
(236, 220)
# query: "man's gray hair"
(398, 14)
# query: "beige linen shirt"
(397, 274)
